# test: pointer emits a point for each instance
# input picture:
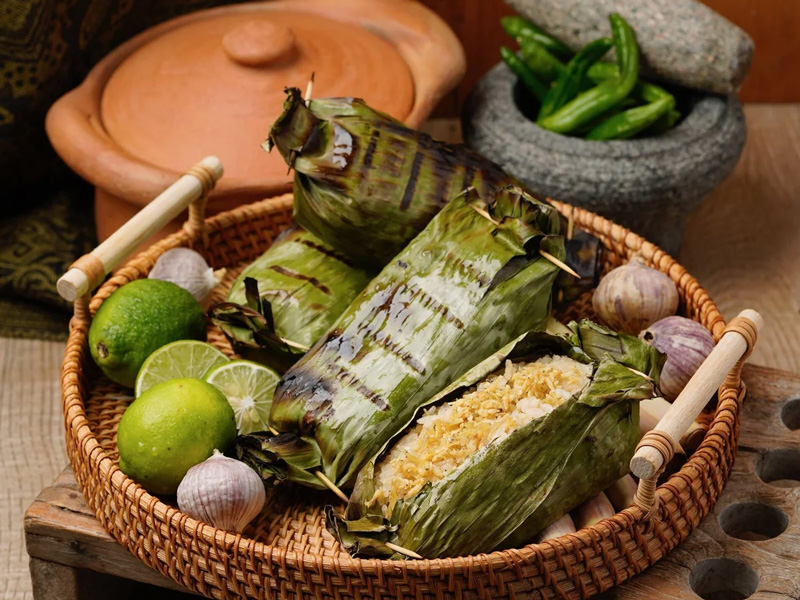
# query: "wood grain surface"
(743, 243)
(774, 26)
(60, 527)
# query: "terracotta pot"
(211, 82)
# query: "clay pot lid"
(214, 86)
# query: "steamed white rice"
(446, 436)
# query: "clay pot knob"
(258, 43)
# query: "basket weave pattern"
(287, 553)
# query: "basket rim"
(86, 443)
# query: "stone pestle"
(681, 41)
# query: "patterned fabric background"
(46, 220)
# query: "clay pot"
(212, 82)
(649, 185)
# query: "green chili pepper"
(522, 29)
(630, 122)
(539, 60)
(526, 76)
(588, 105)
(569, 82)
(664, 123)
(648, 92)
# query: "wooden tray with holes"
(287, 552)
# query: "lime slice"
(185, 358)
(249, 388)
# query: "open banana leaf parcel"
(287, 298)
(472, 281)
(512, 483)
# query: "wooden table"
(68, 548)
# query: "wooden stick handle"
(648, 460)
(88, 271)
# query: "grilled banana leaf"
(468, 284)
(287, 298)
(364, 182)
(517, 485)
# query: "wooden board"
(742, 244)
(60, 528)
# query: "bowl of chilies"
(572, 126)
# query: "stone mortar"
(681, 41)
(649, 185)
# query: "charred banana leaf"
(512, 488)
(364, 182)
(287, 298)
(468, 284)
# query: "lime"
(138, 318)
(170, 428)
(249, 388)
(186, 358)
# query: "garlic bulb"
(188, 269)
(634, 296)
(686, 343)
(223, 492)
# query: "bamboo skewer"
(309, 88)
(306, 99)
(559, 263)
(401, 550)
(331, 486)
(484, 214)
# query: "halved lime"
(185, 358)
(249, 388)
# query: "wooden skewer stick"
(484, 214)
(401, 550)
(560, 264)
(292, 344)
(309, 88)
(571, 224)
(331, 486)
(306, 99)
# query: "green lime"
(185, 358)
(249, 388)
(138, 318)
(170, 428)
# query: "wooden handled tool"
(188, 191)
(657, 446)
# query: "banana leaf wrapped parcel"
(364, 182)
(468, 284)
(287, 298)
(516, 442)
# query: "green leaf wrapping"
(462, 289)
(297, 289)
(513, 488)
(364, 182)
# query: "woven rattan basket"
(286, 552)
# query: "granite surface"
(649, 185)
(681, 41)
